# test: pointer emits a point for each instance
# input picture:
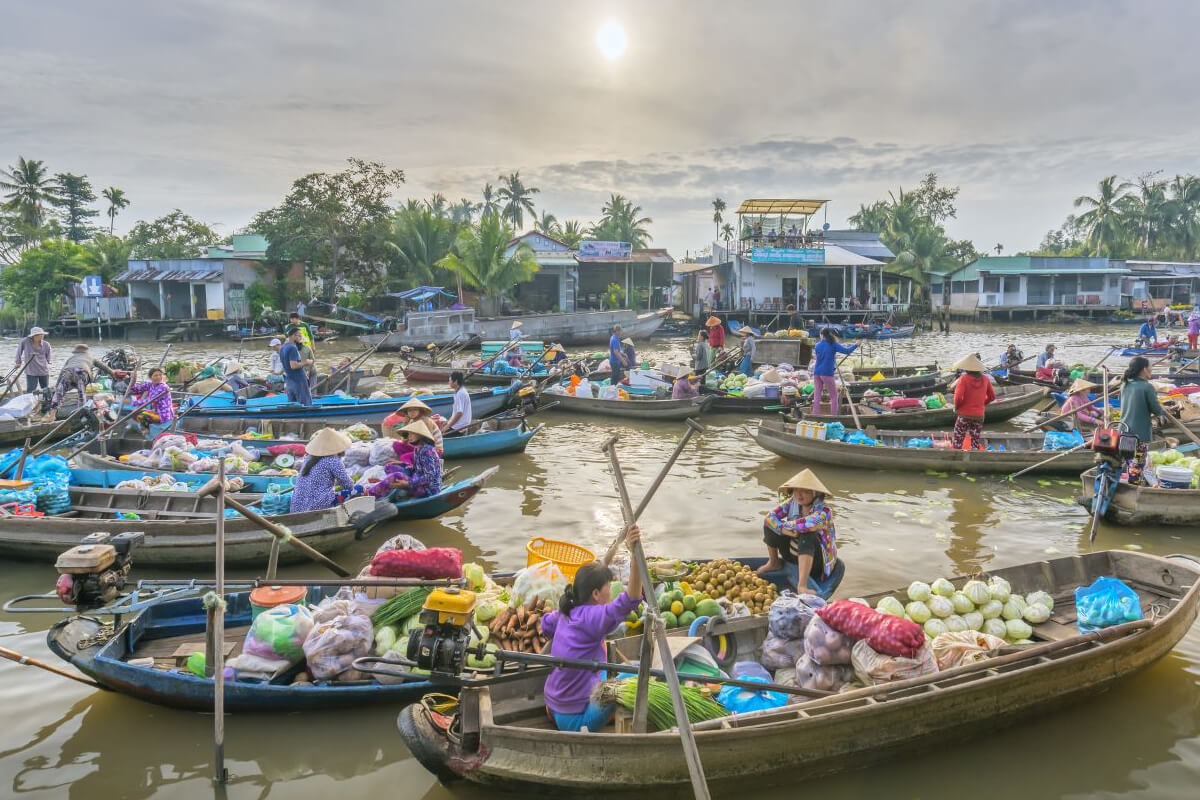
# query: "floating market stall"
(1010, 402)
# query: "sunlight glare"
(611, 40)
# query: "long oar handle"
(1054, 457)
(13, 380)
(13, 655)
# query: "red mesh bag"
(893, 636)
(296, 450)
(436, 562)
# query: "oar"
(502, 351)
(849, 399)
(1178, 423)
(184, 412)
(13, 380)
(353, 365)
(28, 661)
(1054, 457)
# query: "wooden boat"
(865, 372)
(1021, 450)
(333, 409)
(418, 372)
(158, 630)
(178, 528)
(448, 499)
(504, 739)
(16, 431)
(1144, 505)
(570, 328)
(634, 408)
(913, 385)
(105, 473)
(1010, 401)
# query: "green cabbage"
(940, 607)
(475, 574)
(956, 624)
(918, 612)
(943, 587)
(974, 620)
(999, 589)
(385, 639)
(1041, 598)
(935, 628)
(962, 603)
(991, 609)
(891, 606)
(1018, 629)
(919, 592)
(977, 592)
(1035, 613)
(487, 609)
(995, 627)
(1013, 608)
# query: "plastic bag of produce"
(890, 635)
(873, 667)
(743, 701)
(436, 562)
(811, 675)
(543, 580)
(790, 613)
(1106, 602)
(825, 645)
(332, 646)
(400, 541)
(778, 652)
(955, 649)
(278, 634)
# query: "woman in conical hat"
(322, 471)
(972, 393)
(1077, 401)
(412, 409)
(424, 477)
(801, 538)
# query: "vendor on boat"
(616, 357)
(514, 331)
(801, 537)
(34, 353)
(413, 410)
(275, 368)
(971, 395)
(629, 353)
(1077, 402)
(322, 471)
(685, 388)
(825, 367)
(1139, 401)
(235, 377)
(295, 365)
(76, 373)
(716, 335)
(424, 477)
(587, 613)
(1147, 335)
(701, 354)
(460, 415)
(749, 347)
(556, 355)
(1046, 357)
(157, 393)
(1193, 327)
(1011, 358)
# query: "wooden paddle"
(28, 661)
(353, 365)
(12, 381)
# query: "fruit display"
(723, 577)
(786, 333)
(680, 603)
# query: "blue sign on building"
(788, 255)
(93, 286)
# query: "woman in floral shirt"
(424, 477)
(801, 537)
(322, 471)
(156, 392)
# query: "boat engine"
(93, 573)
(442, 645)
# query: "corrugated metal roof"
(181, 275)
(1037, 265)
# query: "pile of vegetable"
(679, 605)
(660, 711)
(734, 581)
(1174, 458)
(991, 607)
(519, 629)
(787, 333)
(733, 382)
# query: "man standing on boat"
(616, 356)
(514, 333)
(275, 373)
(460, 417)
(295, 365)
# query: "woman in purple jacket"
(586, 614)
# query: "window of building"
(1091, 283)
(991, 284)
(959, 287)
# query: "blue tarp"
(421, 293)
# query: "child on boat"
(587, 614)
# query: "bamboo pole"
(217, 620)
(13, 380)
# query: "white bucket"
(1170, 477)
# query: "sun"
(611, 40)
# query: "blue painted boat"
(95, 471)
(489, 443)
(448, 499)
(1145, 351)
(735, 326)
(901, 332)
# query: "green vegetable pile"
(660, 709)
(990, 607)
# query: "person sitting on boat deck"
(971, 395)
(801, 537)
(424, 477)
(685, 388)
(235, 377)
(322, 471)
(1077, 401)
(157, 393)
(1046, 357)
(295, 376)
(1011, 358)
(587, 613)
(557, 354)
(749, 347)
(701, 354)
(460, 415)
(275, 368)
(514, 332)
(1147, 335)
(629, 353)
(412, 410)
(825, 367)
(76, 373)
(34, 353)
(1193, 325)
(515, 357)
(789, 395)
(616, 356)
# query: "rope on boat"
(287, 534)
(214, 602)
(102, 635)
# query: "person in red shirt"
(716, 336)
(971, 396)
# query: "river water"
(1141, 740)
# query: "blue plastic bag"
(1059, 440)
(858, 437)
(835, 431)
(743, 701)
(1106, 602)
(919, 442)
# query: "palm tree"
(463, 211)
(517, 197)
(571, 233)
(490, 204)
(1102, 220)
(479, 259)
(547, 223)
(116, 201)
(718, 216)
(437, 204)
(417, 239)
(619, 222)
(1184, 233)
(726, 236)
(30, 189)
(999, 249)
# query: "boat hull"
(645, 410)
(1010, 402)
(1144, 505)
(574, 328)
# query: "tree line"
(356, 240)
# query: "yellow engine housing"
(452, 605)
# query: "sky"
(216, 106)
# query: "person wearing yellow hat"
(413, 409)
(801, 538)
(1077, 401)
(424, 477)
(556, 354)
(972, 394)
(322, 471)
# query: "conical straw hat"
(708, 323)
(420, 427)
(415, 402)
(971, 363)
(516, 323)
(1080, 385)
(327, 442)
(805, 479)
(745, 331)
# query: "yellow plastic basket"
(568, 557)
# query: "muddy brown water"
(1140, 740)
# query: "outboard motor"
(93, 573)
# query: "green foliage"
(117, 201)
(571, 233)
(13, 319)
(417, 240)
(108, 255)
(335, 221)
(29, 191)
(43, 273)
(614, 296)
(74, 194)
(260, 295)
(175, 235)
(478, 258)
(515, 199)
(547, 223)
(620, 222)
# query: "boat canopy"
(804, 207)
(421, 293)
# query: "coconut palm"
(718, 214)
(726, 236)
(463, 211)
(437, 204)
(491, 203)
(1184, 201)
(547, 223)
(571, 233)
(517, 199)
(619, 222)
(417, 239)
(30, 189)
(1102, 220)
(116, 202)
(479, 258)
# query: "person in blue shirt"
(1147, 334)
(295, 378)
(824, 368)
(1045, 357)
(616, 356)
